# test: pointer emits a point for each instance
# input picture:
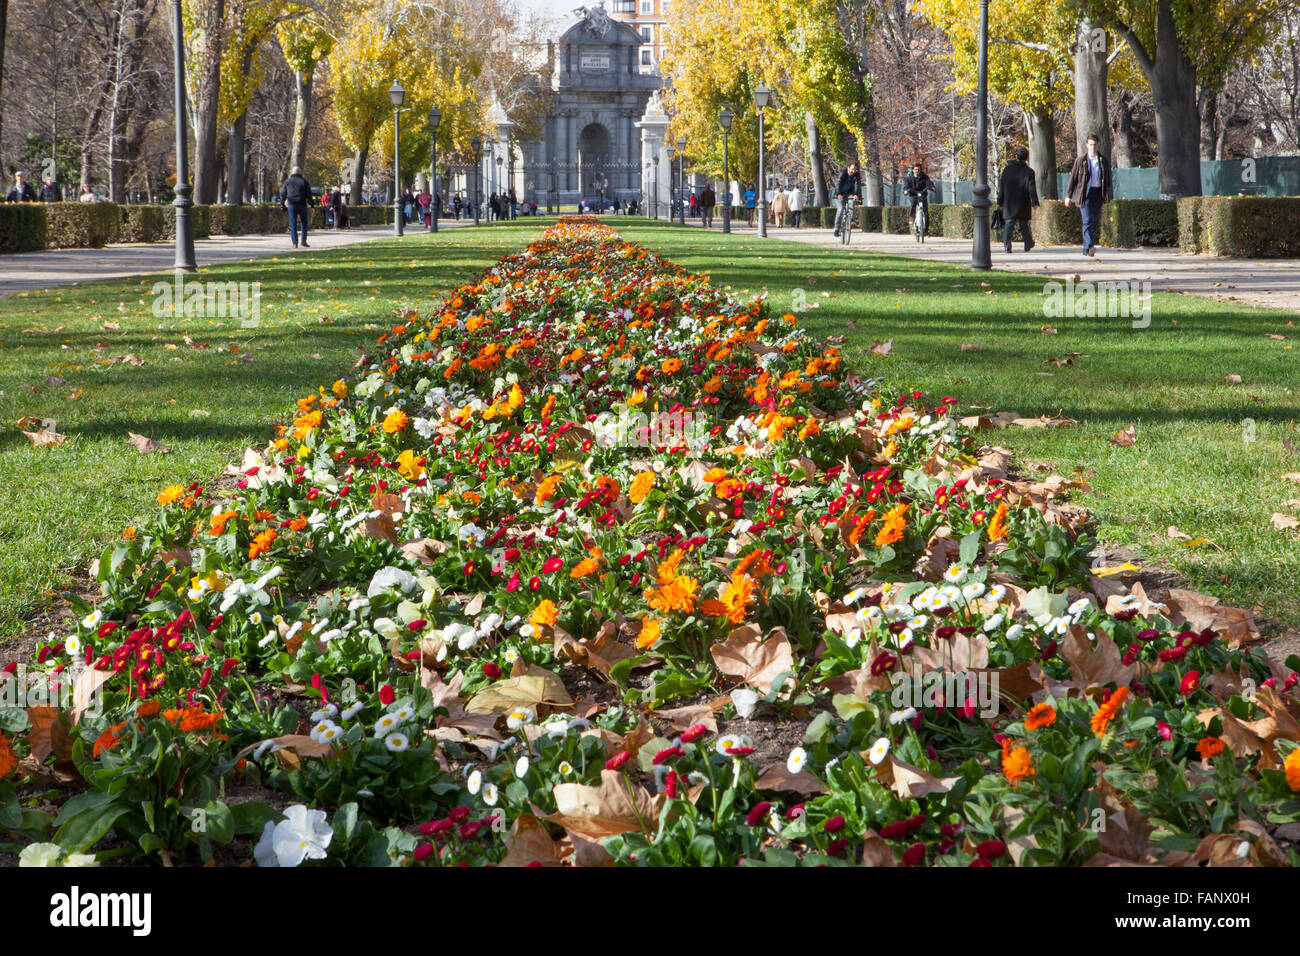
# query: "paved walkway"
(28, 271)
(1274, 283)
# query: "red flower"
(740, 751)
(458, 814)
(694, 733)
(668, 753)
(1190, 682)
(914, 855)
(884, 663)
(613, 763)
(470, 830)
(491, 671)
(991, 850)
(978, 862)
(387, 695)
(833, 825)
(896, 830)
(423, 851)
(795, 812)
(758, 814)
(837, 847)
(670, 784)
(1165, 730)
(552, 565)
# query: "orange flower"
(544, 615)
(395, 422)
(217, 523)
(8, 759)
(262, 543)
(667, 568)
(196, 721)
(714, 475)
(298, 523)
(998, 526)
(758, 563)
(1209, 747)
(733, 603)
(1017, 764)
(713, 385)
(548, 407)
(649, 633)
(670, 366)
(727, 488)
(546, 489)
(861, 526)
(170, 493)
(1292, 768)
(303, 424)
(677, 595)
(149, 708)
(1039, 716)
(895, 522)
(584, 567)
(810, 428)
(128, 534)
(1107, 711)
(641, 485)
(107, 740)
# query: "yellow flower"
(545, 614)
(214, 582)
(304, 451)
(641, 485)
(649, 633)
(170, 493)
(1292, 767)
(339, 389)
(408, 463)
(395, 422)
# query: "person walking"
(1089, 188)
(514, 204)
(50, 191)
(87, 194)
(850, 184)
(780, 208)
(1017, 198)
(22, 191)
(295, 196)
(751, 199)
(708, 199)
(340, 214)
(796, 205)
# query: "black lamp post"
(979, 254)
(395, 96)
(435, 117)
(681, 176)
(477, 145)
(670, 152)
(182, 202)
(762, 96)
(655, 203)
(724, 120)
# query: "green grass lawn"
(1190, 467)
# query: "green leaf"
(252, 817)
(83, 820)
(970, 547)
(219, 824)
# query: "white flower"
(325, 731)
(386, 579)
(91, 620)
(73, 646)
(993, 623)
(696, 778)
(556, 726)
(352, 710)
(471, 533)
(490, 794)
(797, 759)
(404, 713)
(1014, 631)
(973, 590)
(474, 782)
(854, 596)
(879, 749)
(386, 723)
(512, 654)
(565, 768)
(917, 622)
(521, 767)
(396, 742)
(520, 716)
(732, 741)
(902, 716)
(302, 835)
(329, 710)
(904, 638)
(996, 593)
(745, 700)
(955, 574)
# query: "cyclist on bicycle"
(850, 184)
(916, 185)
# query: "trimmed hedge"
(22, 227)
(1056, 225)
(895, 219)
(142, 224)
(955, 222)
(1139, 222)
(1243, 226)
(828, 216)
(81, 225)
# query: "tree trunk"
(301, 120)
(1040, 127)
(1207, 106)
(1172, 76)
(358, 176)
(1124, 158)
(235, 162)
(4, 23)
(818, 170)
(1090, 77)
(206, 172)
(873, 188)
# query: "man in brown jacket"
(1089, 187)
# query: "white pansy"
(879, 750)
(386, 579)
(470, 533)
(302, 835)
(745, 700)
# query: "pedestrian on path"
(22, 191)
(295, 196)
(708, 199)
(780, 208)
(1089, 187)
(1017, 198)
(50, 191)
(796, 205)
(751, 198)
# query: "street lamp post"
(477, 145)
(435, 116)
(681, 175)
(395, 96)
(502, 200)
(762, 95)
(979, 254)
(671, 153)
(724, 120)
(655, 202)
(182, 201)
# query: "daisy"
(797, 760)
(73, 646)
(520, 716)
(854, 596)
(521, 767)
(879, 749)
(993, 623)
(565, 768)
(697, 778)
(396, 742)
(955, 574)
(917, 622)
(996, 593)
(902, 716)
(512, 654)
(329, 710)
(352, 710)
(386, 723)
(973, 590)
(404, 713)
(1014, 631)
(1076, 609)
(490, 794)
(475, 781)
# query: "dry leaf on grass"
(757, 663)
(1095, 662)
(291, 748)
(876, 852)
(1125, 438)
(684, 718)
(1232, 379)
(385, 526)
(535, 687)
(1200, 611)
(779, 777)
(145, 445)
(881, 348)
(424, 550)
(1284, 522)
(910, 782)
(45, 437)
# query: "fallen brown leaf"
(145, 445)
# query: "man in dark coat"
(50, 191)
(708, 199)
(22, 191)
(917, 184)
(1017, 198)
(295, 196)
(1089, 187)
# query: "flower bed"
(554, 576)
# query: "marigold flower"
(641, 486)
(677, 595)
(262, 543)
(171, 493)
(149, 708)
(1039, 716)
(9, 759)
(1107, 711)
(650, 631)
(584, 567)
(895, 522)
(1017, 764)
(1209, 747)
(195, 720)
(997, 525)
(545, 614)
(107, 740)
(395, 421)
(1292, 768)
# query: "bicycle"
(921, 224)
(846, 226)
